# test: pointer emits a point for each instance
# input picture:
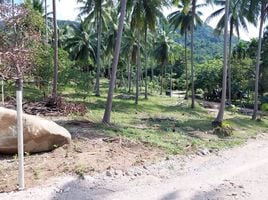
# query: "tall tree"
(56, 56)
(95, 9)
(144, 14)
(129, 50)
(81, 44)
(219, 118)
(162, 53)
(238, 17)
(182, 19)
(192, 53)
(46, 22)
(263, 15)
(108, 108)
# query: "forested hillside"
(208, 45)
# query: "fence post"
(20, 132)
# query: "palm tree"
(94, 9)
(46, 21)
(81, 44)
(263, 15)
(182, 19)
(129, 50)
(237, 18)
(144, 14)
(56, 57)
(38, 6)
(161, 53)
(107, 113)
(219, 118)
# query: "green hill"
(207, 45)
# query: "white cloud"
(66, 9)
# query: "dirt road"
(239, 173)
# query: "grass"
(169, 123)
(164, 122)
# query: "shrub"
(264, 107)
(224, 130)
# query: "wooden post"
(20, 132)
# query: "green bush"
(224, 130)
(264, 107)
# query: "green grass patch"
(165, 122)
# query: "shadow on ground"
(83, 190)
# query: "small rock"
(203, 152)
(67, 189)
(144, 167)
(117, 172)
(108, 173)
(127, 173)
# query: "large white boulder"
(39, 134)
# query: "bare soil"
(238, 173)
(89, 153)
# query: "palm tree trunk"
(192, 53)
(256, 94)
(99, 27)
(186, 67)
(129, 75)
(171, 85)
(145, 65)
(55, 76)
(138, 66)
(162, 74)
(219, 118)
(152, 72)
(229, 67)
(46, 23)
(108, 108)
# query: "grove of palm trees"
(132, 82)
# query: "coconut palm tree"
(46, 21)
(263, 15)
(182, 19)
(38, 6)
(219, 118)
(143, 16)
(107, 113)
(237, 18)
(162, 53)
(94, 9)
(56, 56)
(129, 50)
(81, 43)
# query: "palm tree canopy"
(238, 16)
(144, 13)
(91, 10)
(163, 45)
(82, 43)
(182, 17)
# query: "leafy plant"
(224, 130)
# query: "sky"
(68, 10)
